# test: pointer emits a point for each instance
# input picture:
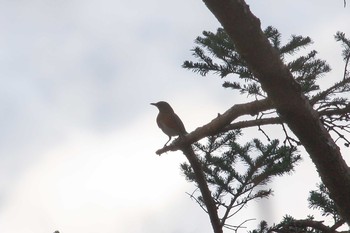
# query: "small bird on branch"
(168, 121)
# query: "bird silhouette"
(168, 121)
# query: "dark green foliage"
(234, 172)
(340, 36)
(319, 199)
(306, 70)
(216, 53)
(336, 96)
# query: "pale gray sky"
(78, 135)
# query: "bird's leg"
(167, 141)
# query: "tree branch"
(317, 225)
(253, 123)
(198, 202)
(338, 224)
(203, 187)
(233, 113)
(217, 124)
(323, 94)
(278, 120)
(339, 111)
(346, 67)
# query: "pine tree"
(237, 174)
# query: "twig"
(260, 129)
(198, 202)
(235, 228)
(289, 139)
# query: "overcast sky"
(77, 133)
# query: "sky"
(78, 134)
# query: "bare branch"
(228, 209)
(235, 228)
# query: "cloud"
(77, 132)
(96, 183)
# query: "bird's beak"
(154, 104)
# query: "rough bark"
(245, 31)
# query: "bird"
(168, 121)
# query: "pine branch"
(222, 175)
(305, 223)
(296, 43)
(331, 90)
(340, 36)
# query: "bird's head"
(163, 106)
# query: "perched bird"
(168, 121)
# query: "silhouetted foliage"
(216, 53)
(319, 199)
(238, 173)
